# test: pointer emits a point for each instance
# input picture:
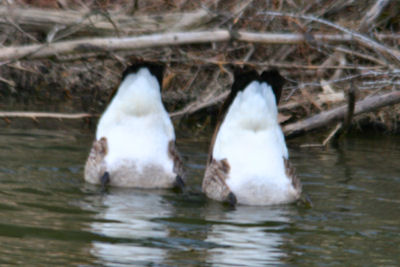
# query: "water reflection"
(249, 236)
(126, 216)
(48, 210)
(148, 227)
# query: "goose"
(135, 138)
(248, 162)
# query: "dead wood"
(198, 105)
(370, 17)
(342, 128)
(75, 58)
(360, 38)
(327, 117)
(70, 22)
(101, 45)
(34, 115)
(351, 103)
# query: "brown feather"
(176, 158)
(95, 165)
(214, 185)
(291, 174)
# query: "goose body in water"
(248, 160)
(135, 138)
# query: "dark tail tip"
(243, 77)
(275, 80)
(155, 69)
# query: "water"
(49, 216)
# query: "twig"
(273, 64)
(332, 134)
(372, 14)
(342, 127)
(249, 54)
(109, 18)
(196, 106)
(373, 74)
(360, 55)
(353, 35)
(30, 36)
(98, 24)
(34, 115)
(9, 82)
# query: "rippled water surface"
(49, 216)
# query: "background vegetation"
(55, 55)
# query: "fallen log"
(327, 117)
(99, 45)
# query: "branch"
(324, 118)
(372, 14)
(351, 104)
(199, 105)
(362, 39)
(34, 115)
(111, 44)
(98, 24)
(157, 40)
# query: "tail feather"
(243, 77)
(275, 80)
(155, 69)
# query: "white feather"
(252, 141)
(136, 124)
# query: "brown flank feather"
(291, 173)
(95, 165)
(214, 184)
(176, 158)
